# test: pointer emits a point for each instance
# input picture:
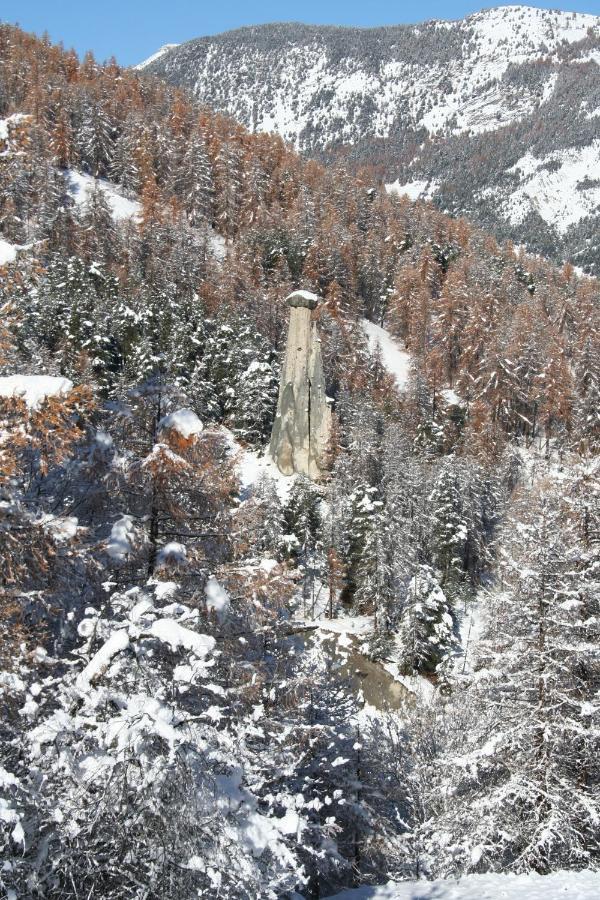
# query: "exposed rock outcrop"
(302, 424)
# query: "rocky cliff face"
(303, 422)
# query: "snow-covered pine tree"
(449, 533)
(131, 779)
(255, 402)
(197, 182)
(99, 243)
(523, 776)
(95, 140)
(426, 625)
(175, 490)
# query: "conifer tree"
(96, 140)
(449, 532)
(526, 777)
(426, 625)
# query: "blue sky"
(133, 29)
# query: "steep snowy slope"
(319, 85)
(445, 109)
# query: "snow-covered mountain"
(494, 116)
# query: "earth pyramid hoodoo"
(302, 426)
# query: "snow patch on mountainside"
(396, 360)
(558, 187)
(81, 187)
(414, 190)
(8, 252)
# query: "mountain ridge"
(400, 99)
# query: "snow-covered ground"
(568, 885)
(358, 626)
(394, 358)
(470, 629)
(81, 186)
(10, 122)
(8, 252)
(252, 464)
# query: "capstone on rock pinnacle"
(302, 426)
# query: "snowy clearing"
(252, 466)
(414, 190)
(81, 187)
(570, 885)
(396, 360)
(356, 625)
(34, 389)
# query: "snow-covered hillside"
(320, 85)
(463, 113)
(559, 187)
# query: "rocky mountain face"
(496, 116)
